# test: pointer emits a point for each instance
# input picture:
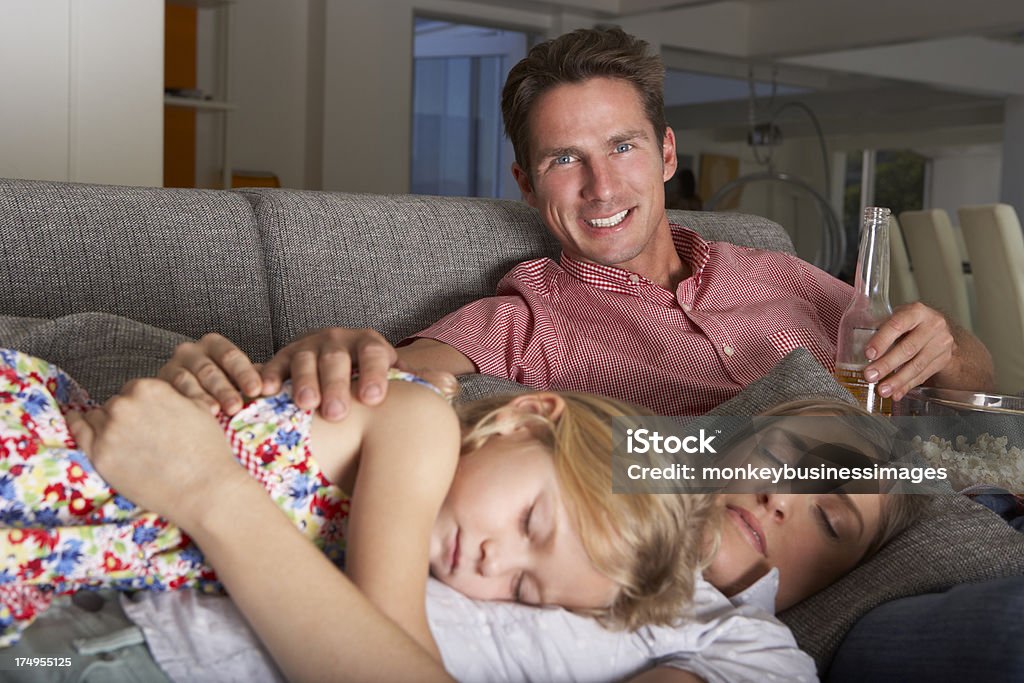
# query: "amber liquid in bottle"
(865, 392)
(868, 309)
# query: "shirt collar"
(761, 593)
(691, 247)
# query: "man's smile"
(610, 221)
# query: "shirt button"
(634, 278)
(686, 307)
(728, 350)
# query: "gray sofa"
(105, 281)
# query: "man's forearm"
(425, 355)
(971, 367)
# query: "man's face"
(598, 173)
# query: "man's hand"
(216, 373)
(213, 372)
(918, 344)
(135, 442)
(320, 365)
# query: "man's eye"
(623, 147)
(564, 159)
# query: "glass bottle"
(867, 311)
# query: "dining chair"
(902, 286)
(935, 259)
(995, 244)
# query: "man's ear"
(668, 154)
(523, 181)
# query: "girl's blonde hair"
(651, 545)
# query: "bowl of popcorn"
(977, 437)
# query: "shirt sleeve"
(504, 336)
(746, 645)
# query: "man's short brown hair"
(574, 58)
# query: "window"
(897, 180)
(458, 143)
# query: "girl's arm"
(409, 450)
(313, 620)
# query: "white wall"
(963, 175)
(82, 86)
(324, 100)
(269, 88)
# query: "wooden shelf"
(201, 4)
(193, 103)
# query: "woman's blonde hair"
(651, 545)
(900, 510)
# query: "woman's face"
(504, 533)
(813, 540)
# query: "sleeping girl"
(526, 514)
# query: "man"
(635, 308)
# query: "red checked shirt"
(580, 326)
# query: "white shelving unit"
(221, 104)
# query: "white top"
(196, 637)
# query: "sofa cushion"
(399, 263)
(183, 260)
(798, 375)
(101, 351)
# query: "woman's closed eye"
(825, 522)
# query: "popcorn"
(986, 461)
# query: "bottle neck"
(872, 279)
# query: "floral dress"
(63, 529)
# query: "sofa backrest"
(188, 261)
(398, 263)
(264, 266)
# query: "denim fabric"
(972, 632)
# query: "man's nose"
(600, 185)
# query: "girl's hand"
(161, 450)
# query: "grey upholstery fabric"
(183, 260)
(393, 263)
(399, 263)
(743, 229)
(101, 351)
(798, 375)
(473, 387)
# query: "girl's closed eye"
(524, 520)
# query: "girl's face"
(503, 532)
(813, 539)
